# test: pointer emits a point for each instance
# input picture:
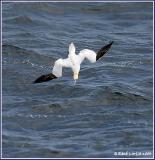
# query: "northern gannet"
(73, 61)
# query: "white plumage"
(73, 61)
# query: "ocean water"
(109, 112)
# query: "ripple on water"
(110, 107)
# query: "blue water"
(109, 110)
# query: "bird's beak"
(75, 76)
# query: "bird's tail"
(45, 78)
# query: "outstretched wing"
(103, 50)
(88, 54)
(45, 78)
(91, 55)
(59, 64)
(56, 72)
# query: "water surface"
(109, 110)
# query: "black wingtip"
(111, 43)
(45, 78)
(103, 50)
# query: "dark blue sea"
(109, 112)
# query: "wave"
(12, 49)
(24, 56)
(39, 7)
(23, 20)
(121, 93)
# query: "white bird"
(73, 61)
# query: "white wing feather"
(59, 64)
(87, 53)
